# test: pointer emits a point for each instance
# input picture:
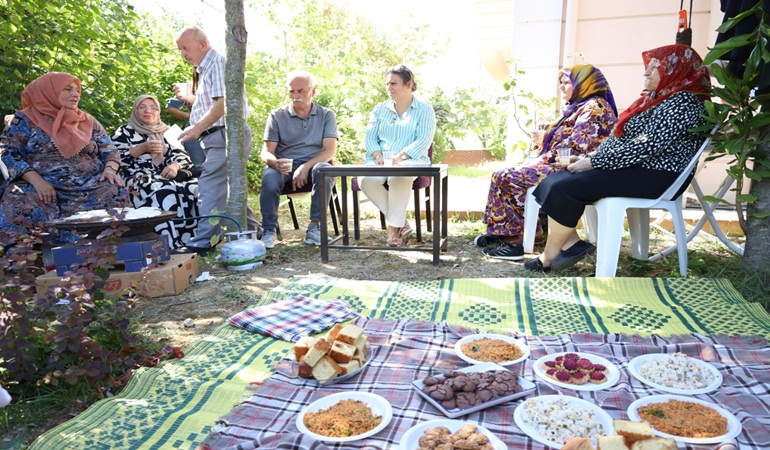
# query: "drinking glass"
(387, 157)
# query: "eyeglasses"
(145, 107)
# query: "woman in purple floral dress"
(587, 119)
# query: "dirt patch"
(209, 303)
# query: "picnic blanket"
(176, 405)
(406, 350)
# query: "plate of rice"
(676, 373)
(693, 420)
(552, 420)
(345, 417)
(488, 347)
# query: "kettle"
(242, 250)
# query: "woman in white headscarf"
(157, 173)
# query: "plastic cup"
(184, 89)
(387, 157)
(564, 156)
(287, 164)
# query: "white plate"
(734, 426)
(410, 439)
(378, 404)
(636, 364)
(600, 416)
(475, 337)
(335, 380)
(527, 388)
(613, 374)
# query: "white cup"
(184, 89)
(287, 164)
(564, 155)
(387, 157)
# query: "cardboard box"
(170, 278)
(134, 255)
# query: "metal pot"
(242, 250)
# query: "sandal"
(405, 230)
(394, 237)
(535, 265)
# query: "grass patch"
(482, 171)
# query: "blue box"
(134, 255)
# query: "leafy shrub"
(73, 332)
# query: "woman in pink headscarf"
(60, 160)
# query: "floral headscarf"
(681, 70)
(69, 129)
(587, 82)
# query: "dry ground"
(210, 303)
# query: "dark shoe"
(203, 251)
(573, 255)
(535, 265)
(506, 251)
(484, 240)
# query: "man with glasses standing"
(208, 126)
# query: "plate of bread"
(342, 353)
(629, 435)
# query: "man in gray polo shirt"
(299, 139)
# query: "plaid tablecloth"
(291, 318)
(407, 350)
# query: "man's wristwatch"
(404, 157)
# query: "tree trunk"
(237, 154)
(756, 253)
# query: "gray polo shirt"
(300, 139)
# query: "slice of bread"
(655, 444)
(350, 333)
(350, 367)
(611, 443)
(361, 343)
(578, 443)
(305, 371)
(632, 431)
(331, 335)
(302, 346)
(326, 368)
(342, 352)
(316, 352)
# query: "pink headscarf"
(70, 129)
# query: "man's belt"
(212, 130)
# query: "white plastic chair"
(611, 212)
(531, 212)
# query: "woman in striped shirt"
(401, 128)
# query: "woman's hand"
(581, 165)
(537, 137)
(378, 159)
(170, 171)
(110, 175)
(45, 191)
(153, 148)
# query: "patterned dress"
(147, 188)
(585, 129)
(24, 147)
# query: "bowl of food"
(345, 417)
(497, 348)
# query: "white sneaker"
(269, 238)
(313, 235)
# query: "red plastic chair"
(420, 183)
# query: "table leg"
(436, 226)
(324, 225)
(445, 212)
(345, 235)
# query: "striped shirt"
(411, 132)
(211, 86)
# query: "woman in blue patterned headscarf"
(588, 116)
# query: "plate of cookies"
(577, 371)
(456, 393)
(438, 433)
(339, 355)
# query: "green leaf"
(746, 198)
(761, 215)
(733, 21)
(759, 120)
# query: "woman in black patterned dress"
(158, 174)
(646, 152)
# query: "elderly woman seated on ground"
(60, 161)
(587, 119)
(650, 146)
(158, 173)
